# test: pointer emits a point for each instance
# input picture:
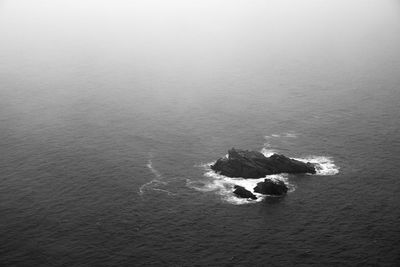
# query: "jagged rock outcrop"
(253, 164)
(242, 192)
(271, 187)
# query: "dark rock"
(242, 192)
(271, 187)
(253, 164)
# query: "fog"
(186, 49)
(207, 30)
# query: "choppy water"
(110, 112)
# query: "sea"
(111, 113)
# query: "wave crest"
(324, 166)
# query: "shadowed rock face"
(252, 164)
(271, 187)
(242, 192)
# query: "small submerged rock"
(242, 192)
(253, 164)
(271, 187)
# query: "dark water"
(109, 109)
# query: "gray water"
(109, 111)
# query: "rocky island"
(253, 164)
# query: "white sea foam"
(224, 186)
(151, 168)
(285, 135)
(290, 135)
(266, 151)
(323, 165)
(154, 182)
(165, 191)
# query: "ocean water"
(112, 111)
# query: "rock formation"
(242, 192)
(252, 164)
(271, 187)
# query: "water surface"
(109, 110)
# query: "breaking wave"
(323, 165)
(224, 186)
(267, 151)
